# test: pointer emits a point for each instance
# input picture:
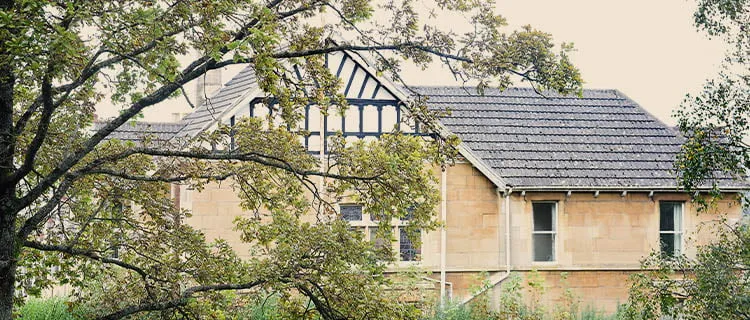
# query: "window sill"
(398, 265)
(546, 264)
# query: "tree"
(713, 285)
(715, 122)
(716, 283)
(99, 208)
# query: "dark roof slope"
(129, 131)
(602, 139)
(225, 98)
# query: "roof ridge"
(219, 102)
(144, 122)
(613, 90)
(647, 113)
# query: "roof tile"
(601, 139)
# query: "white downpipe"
(447, 283)
(500, 277)
(507, 230)
(443, 234)
(322, 153)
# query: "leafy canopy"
(100, 210)
(713, 284)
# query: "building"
(581, 185)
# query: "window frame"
(553, 232)
(417, 250)
(368, 222)
(674, 232)
(352, 222)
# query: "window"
(368, 225)
(406, 249)
(382, 243)
(409, 214)
(670, 228)
(231, 134)
(544, 230)
(351, 212)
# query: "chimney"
(207, 85)
(177, 116)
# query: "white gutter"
(477, 162)
(442, 130)
(507, 229)
(493, 283)
(450, 286)
(498, 277)
(322, 152)
(443, 233)
(616, 189)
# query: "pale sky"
(647, 49)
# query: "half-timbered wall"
(373, 109)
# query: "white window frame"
(368, 223)
(553, 233)
(353, 223)
(678, 249)
(418, 256)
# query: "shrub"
(511, 303)
(55, 308)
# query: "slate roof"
(217, 104)
(160, 131)
(602, 139)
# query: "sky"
(647, 49)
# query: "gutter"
(443, 235)
(498, 278)
(442, 130)
(620, 189)
(450, 285)
(507, 229)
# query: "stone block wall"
(213, 212)
(472, 224)
(600, 239)
(608, 231)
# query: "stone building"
(558, 184)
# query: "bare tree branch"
(87, 254)
(180, 301)
(192, 71)
(377, 47)
(156, 178)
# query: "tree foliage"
(716, 122)
(98, 208)
(715, 283)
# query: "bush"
(513, 305)
(55, 308)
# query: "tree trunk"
(9, 246)
(8, 259)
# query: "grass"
(45, 309)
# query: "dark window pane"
(544, 247)
(667, 244)
(376, 217)
(666, 216)
(543, 216)
(351, 212)
(407, 250)
(380, 242)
